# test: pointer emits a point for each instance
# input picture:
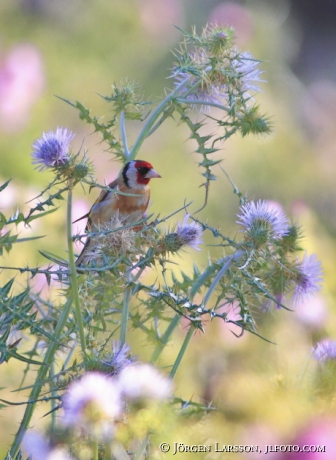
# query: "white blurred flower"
(37, 447)
(142, 381)
(92, 403)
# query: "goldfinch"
(129, 205)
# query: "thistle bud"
(186, 234)
(254, 123)
(80, 170)
(289, 241)
(172, 242)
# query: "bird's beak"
(152, 174)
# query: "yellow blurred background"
(268, 394)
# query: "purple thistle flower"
(209, 93)
(325, 350)
(119, 358)
(206, 91)
(234, 75)
(308, 278)
(186, 234)
(263, 221)
(52, 149)
(190, 234)
(248, 70)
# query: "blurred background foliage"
(268, 394)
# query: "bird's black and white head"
(138, 173)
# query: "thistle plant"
(107, 399)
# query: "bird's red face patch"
(143, 168)
(144, 164)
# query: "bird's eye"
(143, 170)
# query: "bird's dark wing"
(83, 217)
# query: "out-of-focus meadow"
(267, 393)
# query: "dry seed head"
(112, 243)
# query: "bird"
(129, 205)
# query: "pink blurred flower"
(9, 196)
(260, 434)
(158, 17)
(318, 433)
(22, 81)
(229, 330)
(237, 16)
(40, 285)
(312, 312)
(80, 208)
(319, 110)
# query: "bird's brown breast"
(130, 204)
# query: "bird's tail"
(83, 254)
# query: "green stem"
(200, 102)
(207, 273)
(220, 274)
(53, 344)
(141, 449)
(125, 314)
(303, 372)
(164, 339)
(151, 120)
(69, 355)
(73, 273)
(25, 372)
(182, 351)
(123, 134)
(202, 278)
(41, 375)
(208, 103)
(53, 396)
(165, 115)
(95, 449)
(108, 452)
